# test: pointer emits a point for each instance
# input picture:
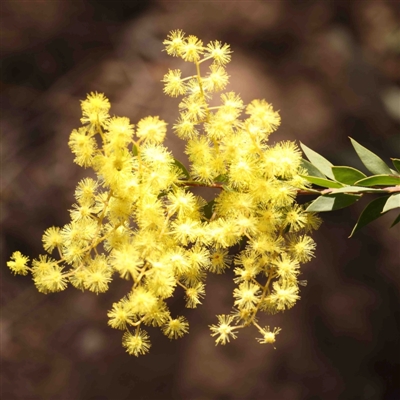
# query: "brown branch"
(300, 192)
(200, 184)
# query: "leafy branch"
(346, 185)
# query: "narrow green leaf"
(311, 170)
(208, 209)
(221, 178)
(357, 189)
(347, 175)
(163, 193)
(322, 182)
(379, 180)
(134, 150)
(396, 221)
(227, 188)
(332, 202)
(392, 202)
(182, 168)
(396, 163)
(371, 161)
(370, 213)
(318, 161)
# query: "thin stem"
(389, 189)
(300, 192)
(205, 59)
(181, 285)
(200, 184)
(201, 90)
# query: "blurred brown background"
(332, 68)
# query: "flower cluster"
(140, 220)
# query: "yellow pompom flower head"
(18, 263)
(95, 110)
(151, 130)
(220, 53)
(174, 43)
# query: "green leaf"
(322, 182)
(396, 163)
(347, 175)
(396, 221)
(182, 168)
(379, 180)
(227, 188)
(311, 170)
(163, 193)
(134, 150)
(318, 161)
(357, 189)
(332, 202)
(221, 178)
(370, 213)
(392, 202)
(371, 161)
(208, 209)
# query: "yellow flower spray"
(139, 219)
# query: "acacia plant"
(140, 220)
